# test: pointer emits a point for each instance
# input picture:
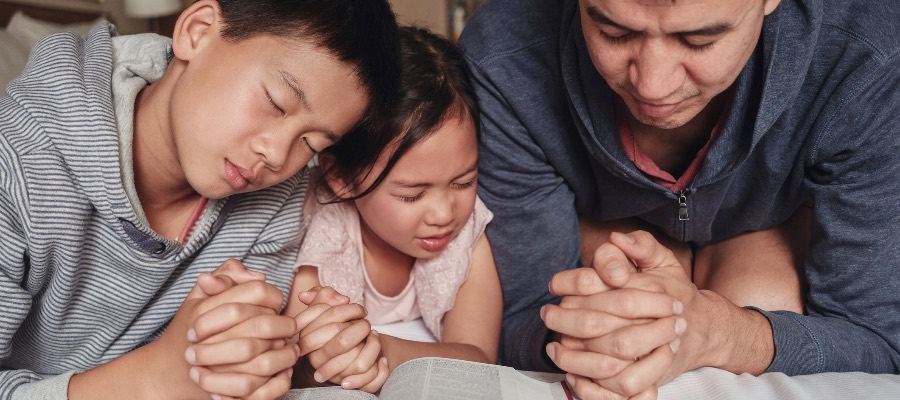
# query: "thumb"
(238, 272)
(642, 248)
(209, 285)
(613, 266)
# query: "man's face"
(668, 59)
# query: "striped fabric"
(82, 280)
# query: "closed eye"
(617, 39)
(463, 186)
(306, 141)
(274, 105)
(696, 47)
(412, 199)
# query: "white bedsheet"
(717, 384)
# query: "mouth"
(238, 177)
(657, 110)
(436, 243)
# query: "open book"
(449, 379)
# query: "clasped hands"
(233, 343)
(623, 324)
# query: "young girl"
(403, 235)
(132, 165)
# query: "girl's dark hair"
(359, 32)
(434, 88)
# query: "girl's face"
(249, 114)
(428, 196)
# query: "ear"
(770, 6)
(338, 186)
(196, 23)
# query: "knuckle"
(306, 344)
(245, 349)
(621, 345)
(629, 385)
(264, 365)
(344, 341)
(233, 311)
(604, 367)
(642, 236)
(585, 280)
(625, 302)
(592, 323)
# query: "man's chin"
(671, 122)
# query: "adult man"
(705, 119)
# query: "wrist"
(737, 340)
(133, 376)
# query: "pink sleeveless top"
(333, 244)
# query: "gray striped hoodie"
(83, 278)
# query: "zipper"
(683, 214)
(682, 205)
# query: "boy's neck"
(165, 196)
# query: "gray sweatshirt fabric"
(815, 121)
(83, 278)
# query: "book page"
(441, 378)
(448, 379)
(534, 385)
(326, 393)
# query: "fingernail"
(216, 397)
(291, 373)
(384, 361)
(297, 349)
(374, 333)
(551, 351)
(677, 307)
(616, 270)
(345, 384)
(318, 377)
(680, 326)
(674, 345)
(190, 355)
(570, 379)
(544, 312)
(192, 335)
(195, 375)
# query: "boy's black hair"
(434, 88)
(359, 32)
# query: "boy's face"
(427, 197)
(249, 114)
(668, 59)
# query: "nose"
(656, 71)
(440, 211)
(272, 148)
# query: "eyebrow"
(413, 184)
(294, 86)
(712, 30)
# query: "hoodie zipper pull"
(682, 206)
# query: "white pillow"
(28, 30)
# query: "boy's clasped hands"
(237, 345)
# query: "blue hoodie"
(815, 120)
